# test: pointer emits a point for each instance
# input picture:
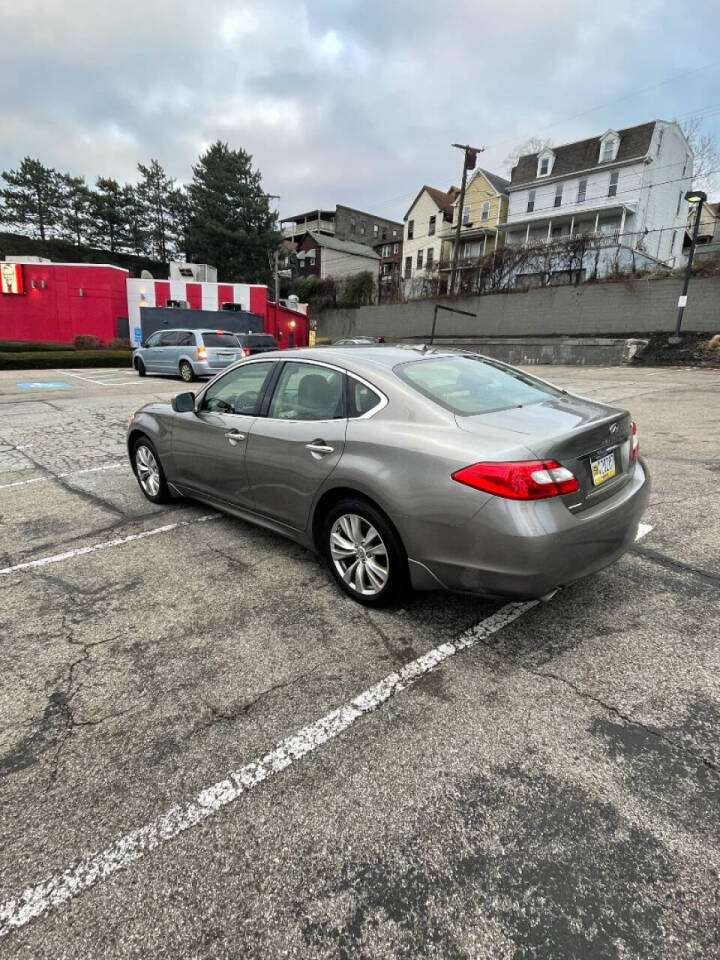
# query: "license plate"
(603, 467)
(226, 356)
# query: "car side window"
(154, 340)
(361, 398)
(169, 338)
(239, 391)
(307, 391)
(186, 338)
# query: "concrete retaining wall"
(619, 309)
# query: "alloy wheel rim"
(148, 471)
(359, 554)
(186, 372)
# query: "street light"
(697, 197)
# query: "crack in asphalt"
(654, 556)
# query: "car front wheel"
(149, 472)
(364, 553)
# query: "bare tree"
(531, 145)
(707, 157)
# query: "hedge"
(25, 346)
(37, 360)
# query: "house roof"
(583, 155)
(497, 183)
(443, 199)
(346, 246)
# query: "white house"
(624, 188)
(430, 213)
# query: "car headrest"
(315, 393)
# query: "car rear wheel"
(140, 367)
(186, 371)
(149, 472)
(364, 553)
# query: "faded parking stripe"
(63, 476)
(106, 544)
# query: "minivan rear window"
(219, 340)
(473, 385)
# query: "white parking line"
(62, 476)
(34, 901)
(105, 545)
(131, 847)
(643, 530)
(107, 382)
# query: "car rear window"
(473, 385)
(219, 340)
(260, 340)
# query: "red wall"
(57, 311)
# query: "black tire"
(140, 367)
(187, 373)
(391, 558)
(145, 460)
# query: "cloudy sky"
(350, 101)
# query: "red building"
(59, 301)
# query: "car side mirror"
(183, 402)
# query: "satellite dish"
(146, 275)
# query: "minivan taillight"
(202, 353)
(635, 442)
(519, 480)
(246, 351)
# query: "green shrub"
(119, 343)
(87, 341)
(25, 346)
(36, 360)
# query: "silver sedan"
(405, 467)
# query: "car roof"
(372, 356)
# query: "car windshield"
(219, 340)
(473, 385)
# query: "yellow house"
(484, 209)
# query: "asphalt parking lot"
(550, 789)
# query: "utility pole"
(470, 159)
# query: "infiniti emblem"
(613, 428)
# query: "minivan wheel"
(364, 553)
(149, 472)
(140, 367)
(186, 371)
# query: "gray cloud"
(338, 100)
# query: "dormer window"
(609, 144)
(545, 163)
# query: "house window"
(352, 225)
(408, 267)
(485, 210)
(612, 189)
(582, 190)
(685, 167)
(558, 194)
(680, 200)
(431, 226)
(429, 258)
(544, 166)
(419, 259)
(466, 214)
(396, 246)
(411, 229)
(376, 230)
(395, 233)
(608, 149)
(386, 250)
(362, 227)
(531, 201)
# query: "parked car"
(253, 343)
(358, 341)
(428, 467)
(187, 353)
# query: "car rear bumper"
(526, 549)
(203, 368)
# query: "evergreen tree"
(32, 198)
(75, 220)
(229, 221)
(108, 229)
(162, 205)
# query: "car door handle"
(234, 436)
(318, 448)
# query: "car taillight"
(202, 353)
(635, 442)
(246, 351)
(519, 480)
